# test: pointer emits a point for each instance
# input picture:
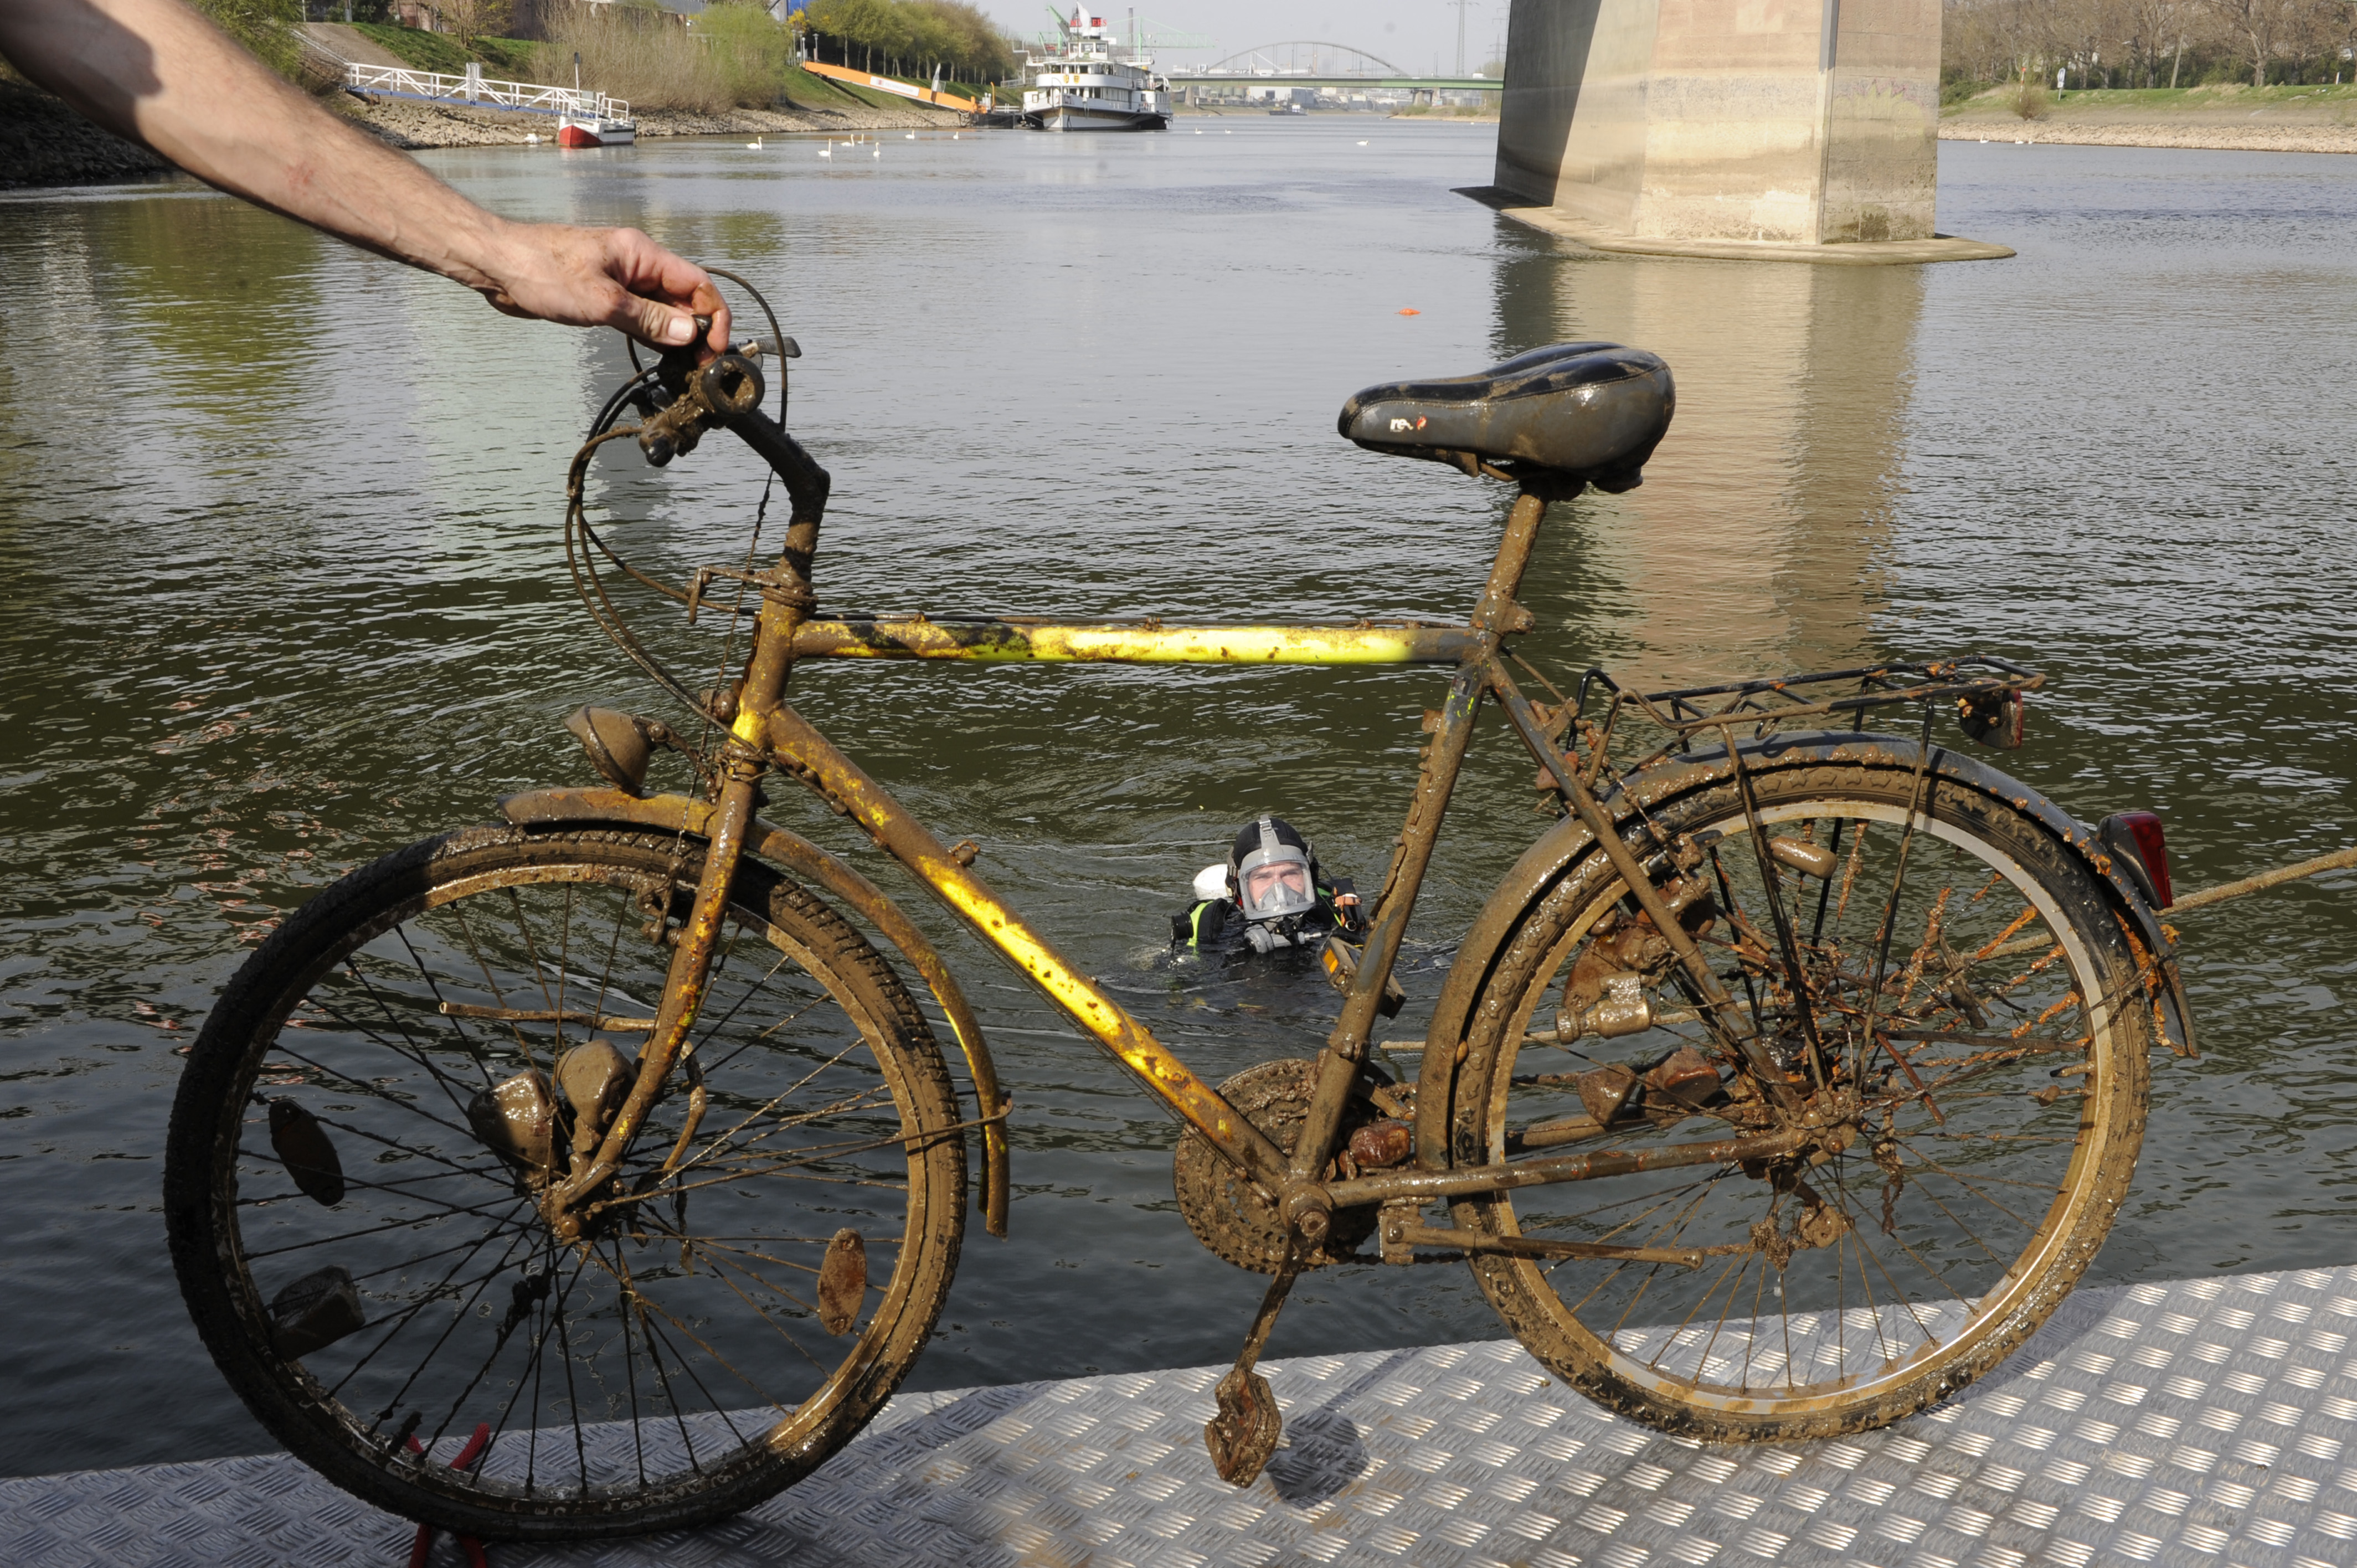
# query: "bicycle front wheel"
(1978, 1081)
(352, 1173)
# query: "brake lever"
(672, 411)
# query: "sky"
(1417, 36)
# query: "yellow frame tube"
(809, 755)
(1039, 641)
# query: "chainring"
(1223, 1208)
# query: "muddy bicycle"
(592, 1173)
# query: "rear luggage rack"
(1988, 694)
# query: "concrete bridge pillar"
(1701, 124)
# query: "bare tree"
(2260, 28)
(2086, 34)
(2157, 33)
(2000, 40)
(2309, 37)
(468, 22)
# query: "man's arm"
(157, 72)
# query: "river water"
(279, 529)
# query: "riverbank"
(417, 126)
(2231, 117)
(42, 142)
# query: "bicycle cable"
(582, 538)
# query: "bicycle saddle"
(1592, 411)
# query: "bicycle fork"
(786, 602)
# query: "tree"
(2079, 31)
(918, 34)
(749, 47)
(2156, 32)
(2260, 27)
(470, 21)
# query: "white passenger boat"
(1086, 83)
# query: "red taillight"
(2142, 830)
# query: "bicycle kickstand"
(1243, 1435)
(422, 1548)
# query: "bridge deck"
(2199, 1423)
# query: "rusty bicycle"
(592, 1172)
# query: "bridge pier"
(1792, 127)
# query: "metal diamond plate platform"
(2200, 1423)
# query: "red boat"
(610, 126)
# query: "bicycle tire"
(829, 1109)
(1703, 1351)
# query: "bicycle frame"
(766, 733)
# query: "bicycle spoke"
(557, 1325)
(402, 1319)
(1819, 1272)
(458, 1025)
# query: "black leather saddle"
(1587, 411)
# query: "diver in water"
(1270, 895)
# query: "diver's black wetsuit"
(1217, 925)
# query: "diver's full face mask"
(1273, 884)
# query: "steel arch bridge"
(1325, 59)
(1318, 62)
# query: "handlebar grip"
(805, 481)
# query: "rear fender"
(1565, 846)
(682, 813)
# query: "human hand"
(603, 277)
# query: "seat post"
(1497, 614)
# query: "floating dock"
(2205, 1422)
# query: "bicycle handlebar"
(727, 391)
(805, 481)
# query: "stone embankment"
(420, 125)
(2225, 117)
(410, 124)
(405, 122)
(42, 142)
(2223, 138)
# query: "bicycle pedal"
(1243, 1435)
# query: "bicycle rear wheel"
(357, 1235)
(1974, 1146)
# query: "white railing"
(439, 87)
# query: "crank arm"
(1535, 1247)
(1474, 1181)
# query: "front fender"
(1546, 862)
(682, 813)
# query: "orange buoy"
(1411, 312)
